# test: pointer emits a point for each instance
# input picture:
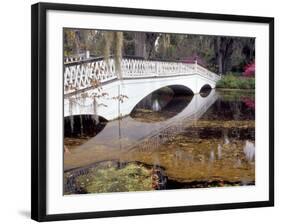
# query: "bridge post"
(195, 65)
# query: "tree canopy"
(221, 54)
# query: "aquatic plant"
(132, 177)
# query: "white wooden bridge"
(95, 86)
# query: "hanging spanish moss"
(118, 53)
(71, 119)
(71, 116)
(166, 40)
(108, 39)
(114, 40)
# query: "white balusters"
(80, 76)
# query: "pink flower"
(250, 103)
(249, 69)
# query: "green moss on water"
(132, 177)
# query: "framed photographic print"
(138, 111)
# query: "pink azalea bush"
(249, 70)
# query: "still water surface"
(169, 141)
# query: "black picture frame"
(39, 108)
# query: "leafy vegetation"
(231, 81)
(218, 53)
(113, 179)
(228, 56)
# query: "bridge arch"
(83, 124)
(180, 89)
(170, 100)
(135, 90)
(205, 90)
(205, 87)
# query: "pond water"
(171, 140)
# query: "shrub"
(231, 81)
(249, 70)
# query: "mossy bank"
(236, 82)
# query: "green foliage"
(219, 54)
(232, 81)
(132, 177)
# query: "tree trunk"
(219, 55)
(223, 49)
(150, 44)
(140, 47)
(77, 43)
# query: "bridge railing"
(205, 72)
(78, 76)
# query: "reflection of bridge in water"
(177, 124)
(123, 136)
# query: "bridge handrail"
(70, 61)
(203, 71)
(79, 76)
